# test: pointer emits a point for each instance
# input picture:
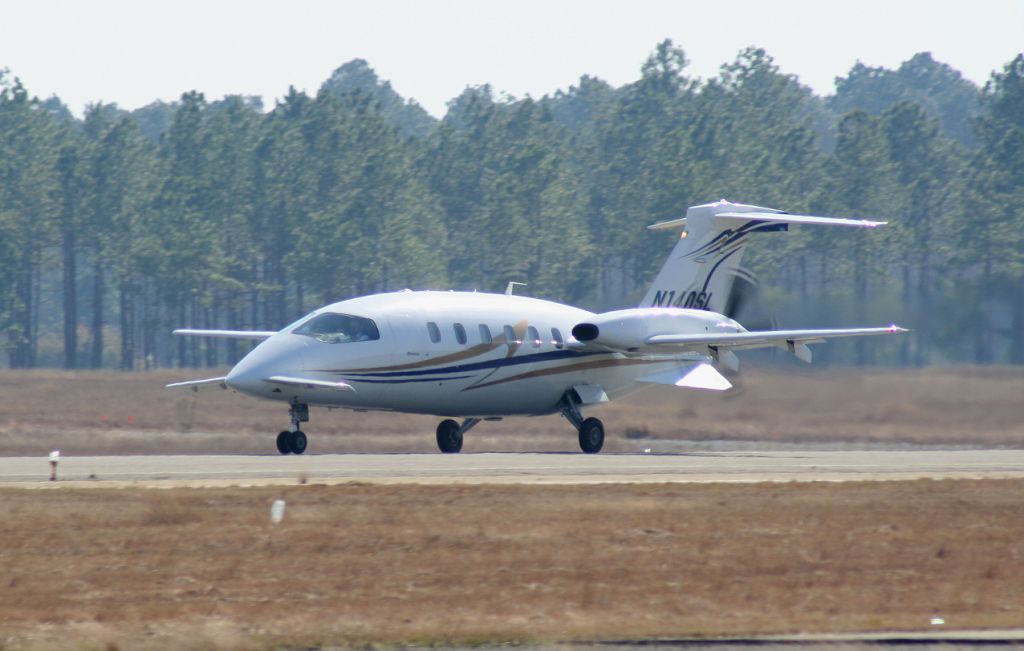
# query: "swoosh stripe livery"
(582, 366)
(501, 362)
(731, 236)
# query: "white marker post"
(54, 458)
(277, 511)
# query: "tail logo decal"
(723, 246)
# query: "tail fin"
(700, 270)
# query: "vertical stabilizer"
(699, 272)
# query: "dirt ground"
(359, 564)
(131, 413)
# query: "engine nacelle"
(628, 330)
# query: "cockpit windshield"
(333, 328)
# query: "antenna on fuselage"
(511, 287)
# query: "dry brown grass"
(354, 564)
(105, 412)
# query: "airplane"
(472, 356)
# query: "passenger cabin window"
(485, 334)
(435, 332)
(510, 335)
(460, 333)
(332, 328)
(556, 336)
(533, 336)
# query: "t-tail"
(699, 272)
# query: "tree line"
(119, 226)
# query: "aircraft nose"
(279, 355)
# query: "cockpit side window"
(333, 328)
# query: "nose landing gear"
(294, 441)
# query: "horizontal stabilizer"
(200, 385)
(779, 218)
(226, 334)
(309, 384)
(790, 338)
(799, 219)
(698, 376)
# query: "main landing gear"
(591, 430)
(449, 434)
(293, 441)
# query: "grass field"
(358, 564)
(106, 412)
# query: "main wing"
(795, 340)
(308, 383)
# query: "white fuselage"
(484, 355)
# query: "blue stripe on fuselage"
(549, 356)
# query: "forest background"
(120, 226)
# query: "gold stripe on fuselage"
(569, 368)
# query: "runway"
(735, 466)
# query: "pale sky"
(133, 52)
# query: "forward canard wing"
(226, 334)
(200, 385)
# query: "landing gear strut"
(449, 434)
(591, 430)
(293, 441)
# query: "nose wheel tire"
(292, 442)
(449, 436)
(591, 435)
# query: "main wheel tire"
(591, 435)
(284, 442)
(298, 442)
(449, 438)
